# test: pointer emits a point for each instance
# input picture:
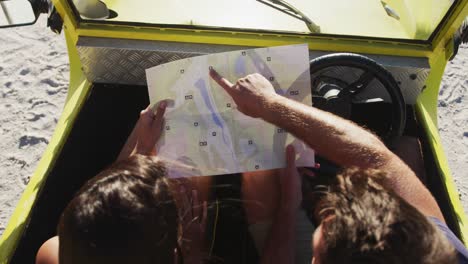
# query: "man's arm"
(334, 138)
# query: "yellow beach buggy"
(376, 62)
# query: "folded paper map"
(203, 128)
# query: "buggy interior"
(377, 92)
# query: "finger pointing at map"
(251, 93)
(216, 121)
(223, 82)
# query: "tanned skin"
(332, 137)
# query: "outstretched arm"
(334, 138)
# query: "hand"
(145, 134)
(290, 182)
(150, 129)
(251, 94)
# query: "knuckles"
(250, 78)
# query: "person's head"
(126, 214)
(364, 221)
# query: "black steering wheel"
(333, 94)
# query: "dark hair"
(126, 214)
(369, 223)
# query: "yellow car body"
(426, 32)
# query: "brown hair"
(369, 223)
(126, 214)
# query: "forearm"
(334, 138)
(347, 144)
(280, 245)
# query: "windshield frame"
(429, 41)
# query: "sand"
(33, 85)
(34, 76)
(453, 120)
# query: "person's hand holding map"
(213, 129)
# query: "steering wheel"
(338, 96)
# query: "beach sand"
(34, 75)
(453, 120)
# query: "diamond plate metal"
(124, 62)
(122, 66)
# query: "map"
(204, 130)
